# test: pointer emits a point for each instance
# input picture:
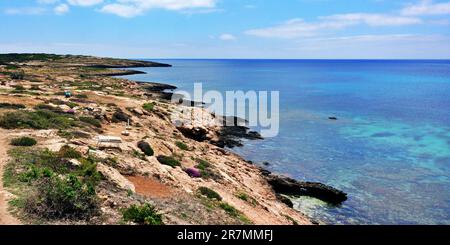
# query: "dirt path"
(5, 217)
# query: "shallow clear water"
(389, 150)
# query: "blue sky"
(228, 28)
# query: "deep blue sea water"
(389, 150)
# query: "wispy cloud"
(427, 7)
(61, 9)
(25, 11)
(84, 3)
(227, 37)
(299, 28)
(131, 8)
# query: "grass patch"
(81, 96)
(144, 215)
(211, 194)
(206, 170)
(23, 141)
(69, 153)
(150, 107)
(170, 161)
(40, 119)
(182, 146)
(92, 121)
(11, 106)
(233, 212)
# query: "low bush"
(23, 141)
(170, 161)
(41, 119)
(149, 106)
(63, 197)
(17, 75)
(81, 96)
(182, 146)
(11, 106)
(49, 108)
(69, 152)
(146, 148)
(230, 210)
(72, 104)
(205, 191)
(19, 87)
(92, 121)
(144, 215)
(206, 170)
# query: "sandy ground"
(5, 217)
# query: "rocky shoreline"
(231, 136)
(115, 137)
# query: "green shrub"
(81, 96)
(230, 210)
(243, 196)
(92, 121)
(17, 75)
(182, 146)
(149, 106)
(49, 108)
(170, 161)
(69, 152)
(202, 164)
(146, 148)
(205, 191)
(89, 171)
(33, 173)
(23, 141)
(206, 170)
(144, 215)
(72, 104)
(41, 119)
(11, 106)
(60, 198)
(19, 87)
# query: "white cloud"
(427, 7)
(122, 10)
(372, 19)
(25, 11)
(84, 3)
(131, 8)
(61, 9)
(299, 28)
(227, 37)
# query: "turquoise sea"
(389, 150)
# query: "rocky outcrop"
(199, 134)
(115, 177)
(288, 186)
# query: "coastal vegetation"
(23, 141)
(59, 173)
(170, 161)
(145, 214)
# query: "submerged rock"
(288, 186)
